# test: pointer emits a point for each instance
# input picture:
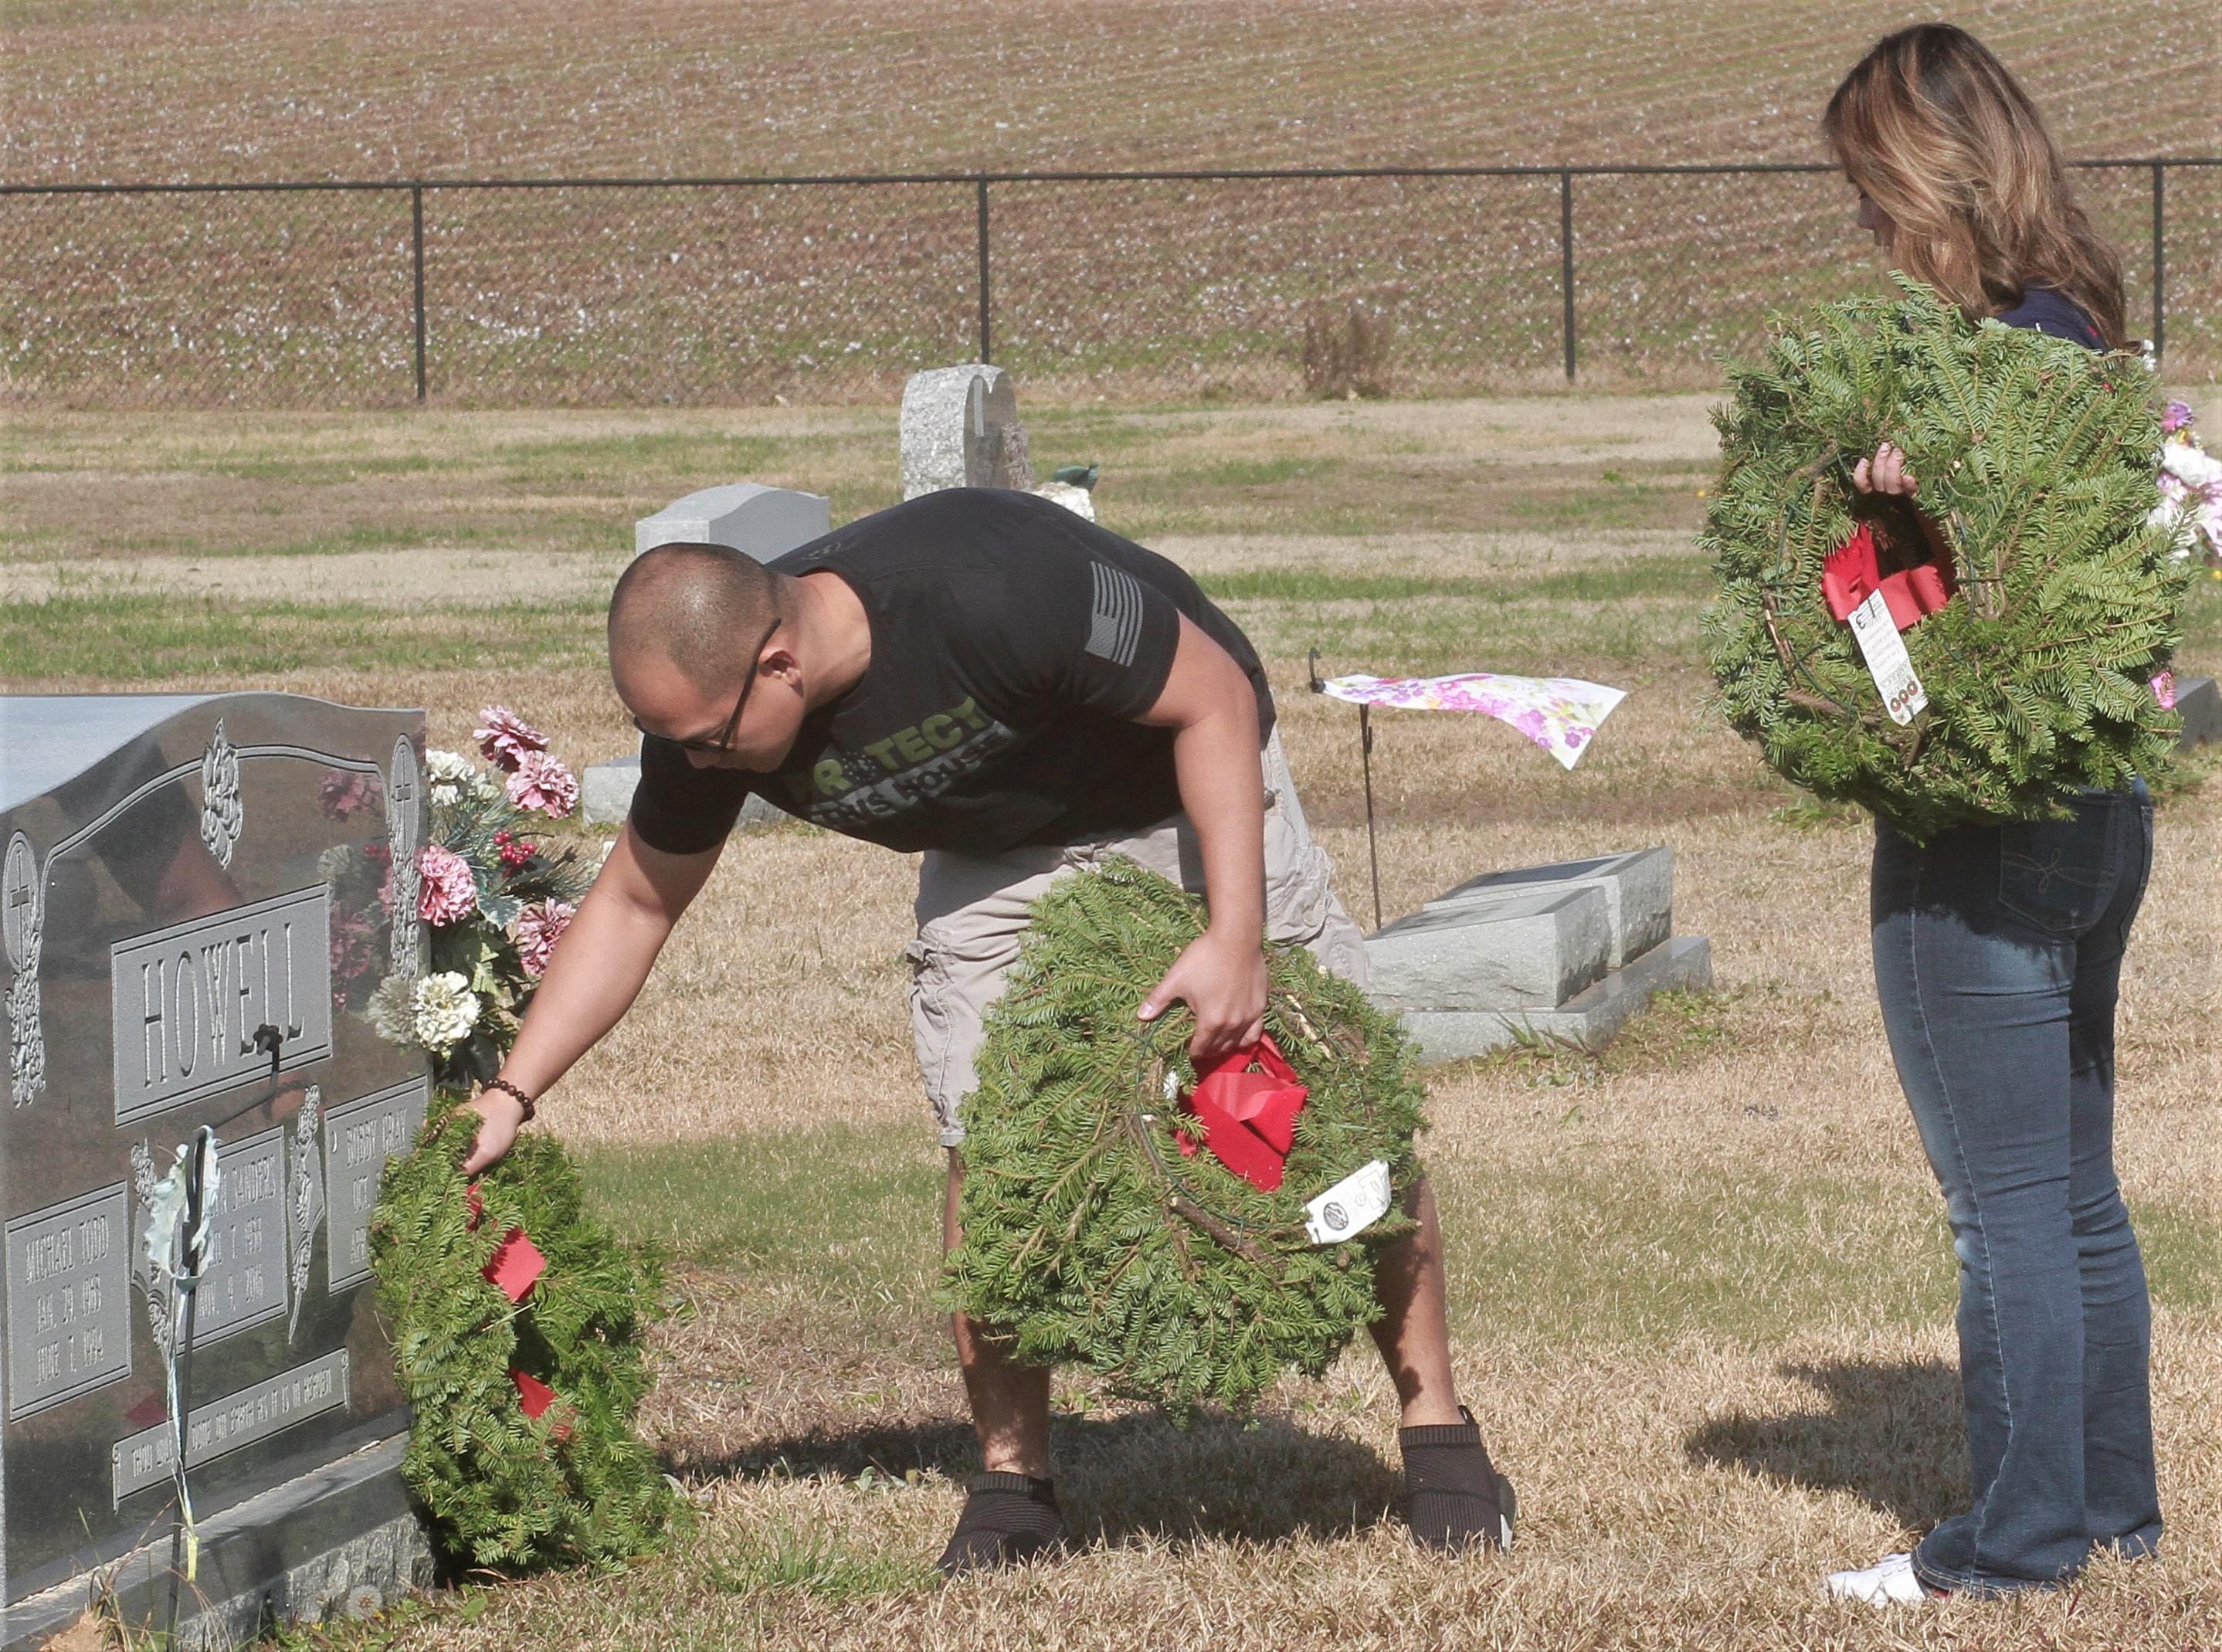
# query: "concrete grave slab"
(343, 1542)
(605, 796)
(1525, 951)
(1590, 1019)
(763, 521)
(1638, 886)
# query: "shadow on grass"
(1892, 1434)
(1129, 1479)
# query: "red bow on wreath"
(1853, 573)
(513, 1269)
(1248, 1103)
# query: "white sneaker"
(1890, 1581)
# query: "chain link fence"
(1251, 286)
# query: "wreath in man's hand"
(519, 1326)
(1188, 1236)
(2031, 642)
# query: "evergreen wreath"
(1090, 1238)
(572, 1484)
(2036, 458)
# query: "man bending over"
(988, 678)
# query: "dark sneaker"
(1008, 1519)
(1459, 1500)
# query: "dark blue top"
(2044, 309)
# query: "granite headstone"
(762, 522)
(196, 900)
(960, 429)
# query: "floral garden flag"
(1560, 714)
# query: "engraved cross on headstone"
(18, 913)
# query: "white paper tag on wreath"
(1887, 660)
(1350, 1207)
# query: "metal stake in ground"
(1366, 764)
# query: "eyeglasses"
(724, 735)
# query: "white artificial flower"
(2190, 465)
(449, 774)
(392, 1009)
(446, 1010)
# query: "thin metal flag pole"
(1365, 761)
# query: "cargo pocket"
(931, 1032)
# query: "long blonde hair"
(1932, 128)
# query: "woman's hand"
(1886, 473)
(500, 1116)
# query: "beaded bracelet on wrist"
(531, 1106)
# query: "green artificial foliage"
(576, 1485)
(2037, 457)
(1090, 1238)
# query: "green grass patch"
(1605, 1247)
(850, 1211)
(1653, 577)
(124, 637)
(785, 1561)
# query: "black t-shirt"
(1013, 644)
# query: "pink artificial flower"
(508, 738)
(542, 782)
(539, 927)
(2177, 416)
(351, 947)
(340, 793)
(446, 890)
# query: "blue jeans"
(1998, 954)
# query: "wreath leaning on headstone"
(1982, 684)
(518, 1324)
(1189, 1237)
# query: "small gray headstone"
(1638, 887)
(606, 795)
(2200, 704)
(960, 429)
(764, 522)
(1520, 952)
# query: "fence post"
(1566, 267)
(2160, 258)
(981, 201)
(416, 239)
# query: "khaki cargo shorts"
(972, 913)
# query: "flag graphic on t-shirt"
(1114, 627)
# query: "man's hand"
(1886, 473)
(500, 1114)
(1221, 978)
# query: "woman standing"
(1998, 948)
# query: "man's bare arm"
(597, 971)
(1208, 703)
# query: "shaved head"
(701, 607)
